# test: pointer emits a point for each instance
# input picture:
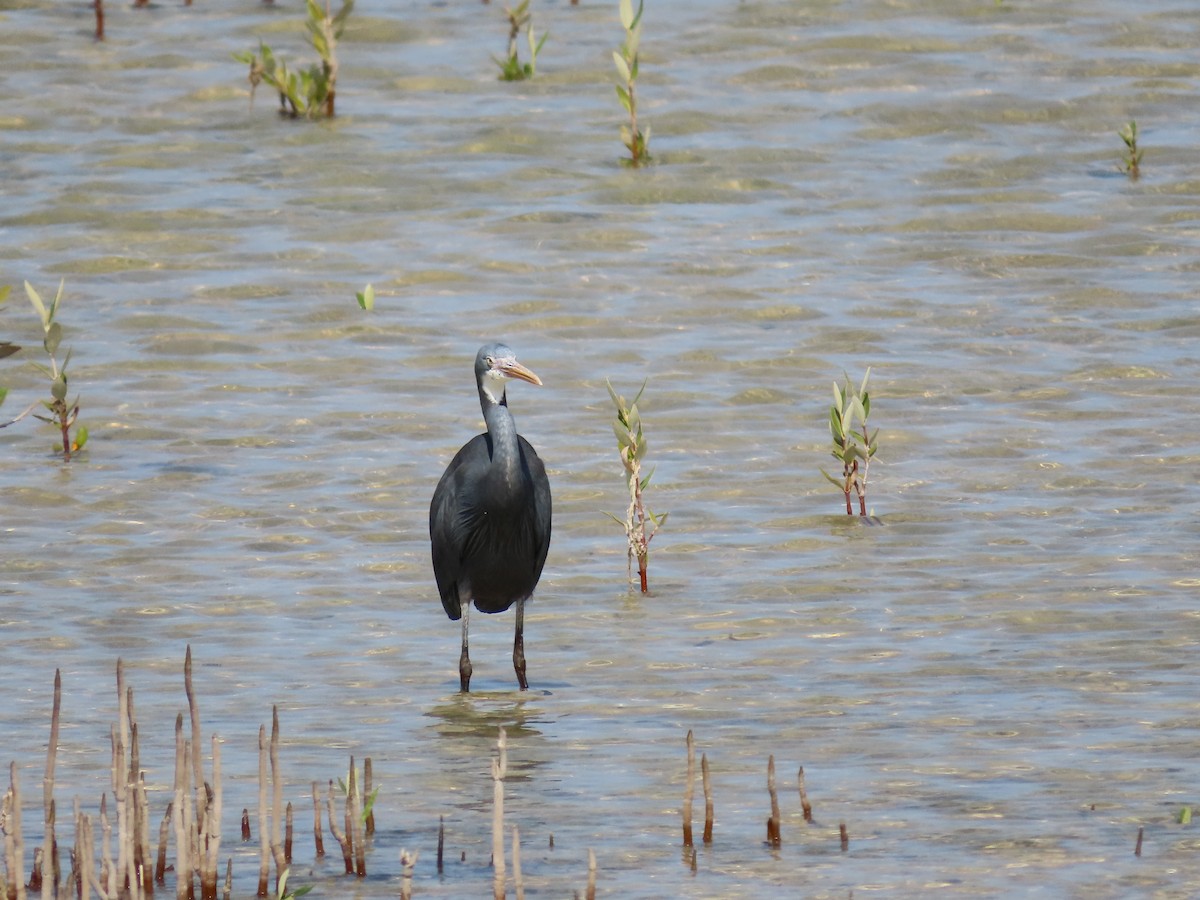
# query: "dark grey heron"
(490, 516)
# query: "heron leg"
(464, 659)
(519, 647)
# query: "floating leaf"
(366, 297)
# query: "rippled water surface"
(994, 690)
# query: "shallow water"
(993, 690)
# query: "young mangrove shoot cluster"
(640, 523)
(636, 141)
(60, 412)
(854, 449)
(511, 67)
(310, 92)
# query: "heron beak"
(513, 369)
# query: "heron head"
(494, 365)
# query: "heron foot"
(464, 672)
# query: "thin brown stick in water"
(773, 836)
(591, 882)
(183, 838)
(499, 769)
(441, 843)
(245, 824)
(264, 833)
(144, 846)
(689, 790)
(107, 874)
(50, 872)
(518, 882)
(343, 842)
(368, 787)
(407, 862)
(288, 825)
(354, 811)
(160, 866)
(1137, 848)
(277, 800)
(708, 799)
(14, 846)
(99, 6)
(212, 837)
(844, 835)
(118, 775)
(804, 804)
(201, 802)
(228, 879)
(317, 836)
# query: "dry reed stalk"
(50, 870)
(317, 838)
(591, 882)
(518, 881)
(144, 853)
(407, 862)
(276, 801)
(343, 841)
(288, 824)
(354, 823)
(14, 850)
(228, 879)
(368, 785)
(164, 829)
(212, 837)
(120, 774)
(134, 771)
(264, 835)
(183, 841)
(804, 804)
(708, 799)
(35, 875)
(689, 790)
(773, 836)
(499, 769)
(133, 883)
(88, 879)
(442, 843)
(202, 803)
(106, 886)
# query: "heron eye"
(490, 362)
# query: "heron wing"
(450, 514)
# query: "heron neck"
(502, 429)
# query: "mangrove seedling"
(640, 523)
(1132, 157)
(512, 69)
(311, 91)
(63, 413)
(854, 449)
(636, 141)
(366, 298)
